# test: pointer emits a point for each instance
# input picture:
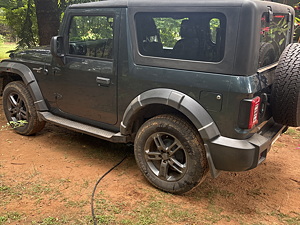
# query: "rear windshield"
(273, 38)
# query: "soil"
(48, 179)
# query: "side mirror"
(56, 47)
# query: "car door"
(86, 84)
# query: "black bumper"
(239, 155)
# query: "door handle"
(103, 81)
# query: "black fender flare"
(29, 80)
(177, 100)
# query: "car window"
(273, 38)
(187, 36)
(91, 36)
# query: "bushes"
(1, 39)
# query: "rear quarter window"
(183, 36)
(273, 38)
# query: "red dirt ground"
(52, 175)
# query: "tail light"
(254, 111)
(249, 113)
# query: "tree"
(35, 21)
(48, 19)
(20, 16)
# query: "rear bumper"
(239, 155)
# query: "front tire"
(18, 106)
(170, 154)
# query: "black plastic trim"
(29, 80)
(177, 100)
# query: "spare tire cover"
(285, 96)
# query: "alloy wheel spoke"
(153, 155)
(159, 142)
(23, 114)
(163, 170)
(19, 116)
(179, 167)
(19, 102)
(174, 145)
(13, 101)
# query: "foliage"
(13, 125)
(1, 39)
(171, 33)
(214, 24)
(21, 18)
(87, 28)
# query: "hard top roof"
(161, 3)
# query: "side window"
(273, 38)
(91, 36)
(187, 36)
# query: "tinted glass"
(187, 36)
(273, 38)
(91, 36)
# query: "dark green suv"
(196, 85)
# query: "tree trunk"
(47, 14)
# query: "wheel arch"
(161, 101)
(12, 71)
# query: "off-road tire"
(161, 164)
(18, 106)
(285, 96)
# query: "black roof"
(161, 3)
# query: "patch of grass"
(76, 204)
(293, 132)
(46, 221)
(210, 192)
(9, 216)
(37, 189)
(3, 219)
(85, 184)
(5, 48)
(214, 214)
(4, 188)
(180, 215)
(288, 219)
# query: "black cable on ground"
(96, 185)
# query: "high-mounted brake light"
(254, 111)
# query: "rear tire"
(170, 154)
(18, 106)
(285, 96)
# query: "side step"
(83, 128)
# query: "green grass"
(293, 132)
(9, 217)
(6, 47)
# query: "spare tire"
(285, 96)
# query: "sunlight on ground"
(5, 47)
